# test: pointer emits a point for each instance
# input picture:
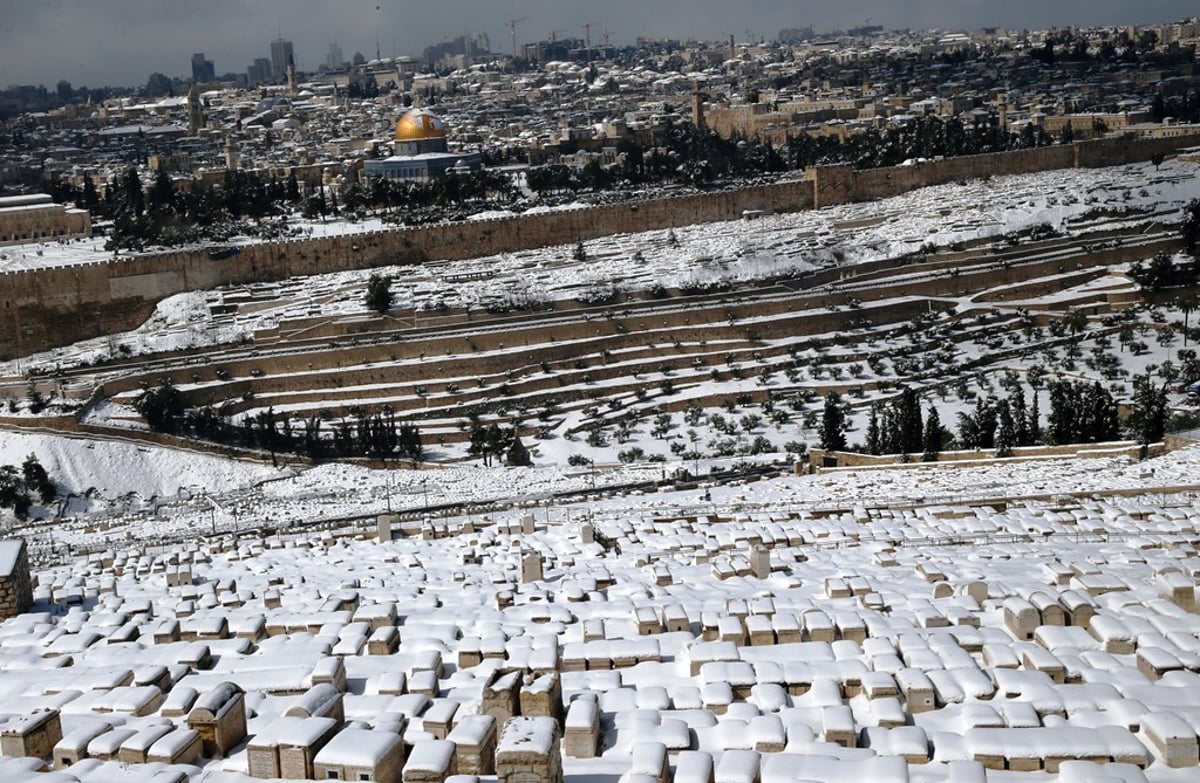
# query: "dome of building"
(418, 124)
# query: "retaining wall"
(55, 306)
(853, 459)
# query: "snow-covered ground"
(629, 422)
(772, 245)
(741, 249)
(901, 633)
(942, 215)
(129, 492)
(906, 625)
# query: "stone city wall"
(55, 306)
(843, 184)
(51, 307)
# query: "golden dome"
(418, 124)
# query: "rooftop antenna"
(377, 57)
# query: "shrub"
(634, 454)
(379, 293)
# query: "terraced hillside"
(662, 350)
(582, 348)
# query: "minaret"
(231, 155)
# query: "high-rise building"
(281, 58)
(334, 60)
(259, 72)
(468, 46)
(203, 70)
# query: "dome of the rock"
(418, 124)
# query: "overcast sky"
(98, 42)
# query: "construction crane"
(607, 34)
(587, 31)
(512, 28)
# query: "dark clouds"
(95, 42)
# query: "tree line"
(1162, 272)
(493, 443)
(1080, 412)
(245, 202)
(377, 434)
(699, 156)
(162, 214)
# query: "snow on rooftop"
(527, 735)
(360, 748)
(293, 732)
(10, 553)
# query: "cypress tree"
(133, 191)
(1148, 421)
(1105, 424)
(91, 199)
(889, 437)
(1005, 430)
(932, 437)
(1020, 416)
(833, 423)
(478, 447)
(873, 442)
(909, 421)
(409, 441)
(1035, 425)
(977, 430)
(1063, 415)
(518, 455)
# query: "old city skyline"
(122, 42)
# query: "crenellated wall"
(55, 306)
(843, 184)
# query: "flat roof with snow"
(354, 747)
(10, 554)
